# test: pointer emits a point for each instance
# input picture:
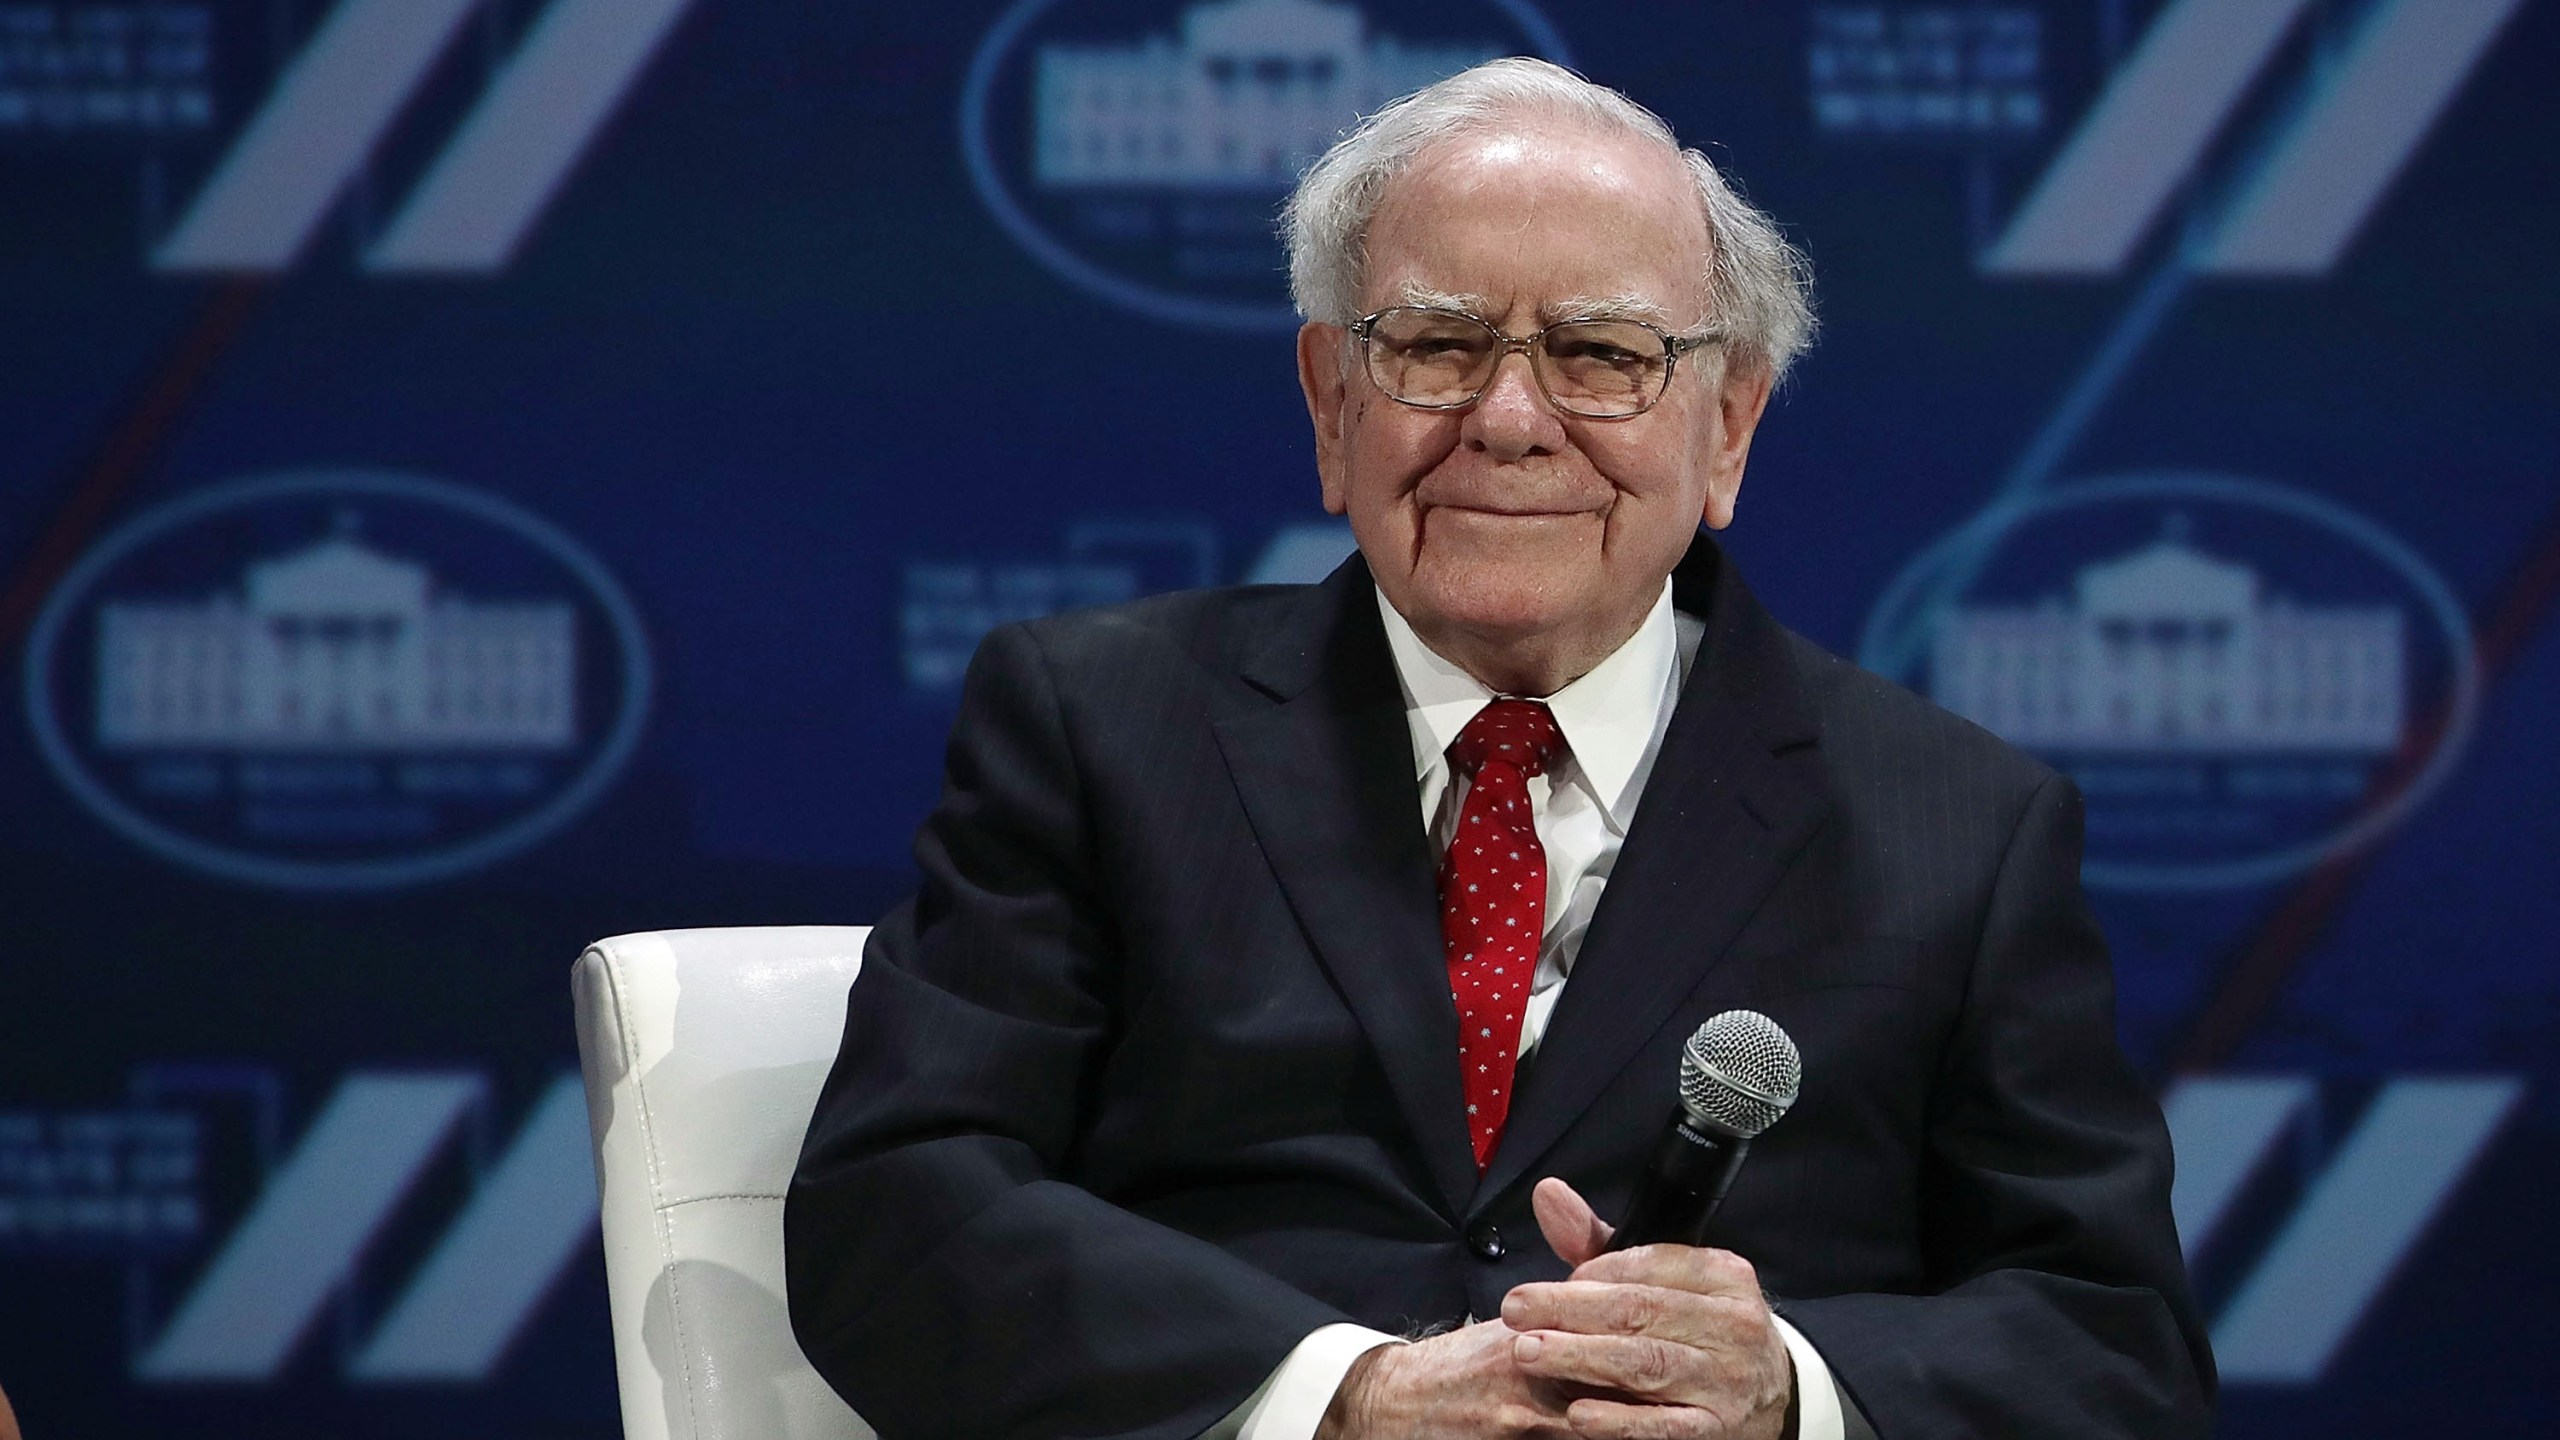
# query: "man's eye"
(1598, 352)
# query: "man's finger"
(1698, 1269)
(1681, 1316)
(1633, 1365)
(1597, 1419)
(1573, 1229)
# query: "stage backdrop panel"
(484, 474)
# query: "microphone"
(1738, 1074)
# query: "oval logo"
(337, 680)
(1141, 149)
(2245, 679)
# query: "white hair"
(1759, 287)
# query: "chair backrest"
(703, 1052)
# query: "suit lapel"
(1734, 795)
(1323, 759)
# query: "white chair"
(703, 1052)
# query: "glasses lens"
(1430, 357)
(1605, 367)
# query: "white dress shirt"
(1613, 721)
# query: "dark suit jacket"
(1158, 1071)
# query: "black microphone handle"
(1682, 1185)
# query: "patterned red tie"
(1493, 901)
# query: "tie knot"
(1519, 733)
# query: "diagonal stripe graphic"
(520, 143)
(314, 133)
(310, 1226)
(2222, 1128)
(527, 1221)
(2143, 138)
(2373, 110)
(2363, 1216)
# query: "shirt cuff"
(1291, 1402)
(1817, 1397)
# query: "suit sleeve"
(945, 1274)
(2058, 1302)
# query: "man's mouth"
(1514, 512)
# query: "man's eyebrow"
(1627, 306)
(1414, 292)
(1606, 307)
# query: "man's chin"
(1494, 617)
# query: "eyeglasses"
(1434, 359)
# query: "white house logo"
(2170, 651)
(1141, 149)
(2238, 675)
(337, 680)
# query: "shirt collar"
(1609, 716)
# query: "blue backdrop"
(483, 474)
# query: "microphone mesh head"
(1739, 1073)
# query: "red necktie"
(1493, 901)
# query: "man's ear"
(1322, 377)
(1742, 395)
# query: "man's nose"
(1513, 418)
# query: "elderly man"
(1290, 963)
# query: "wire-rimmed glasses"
(1435, 359)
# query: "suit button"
(1486, 1241)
